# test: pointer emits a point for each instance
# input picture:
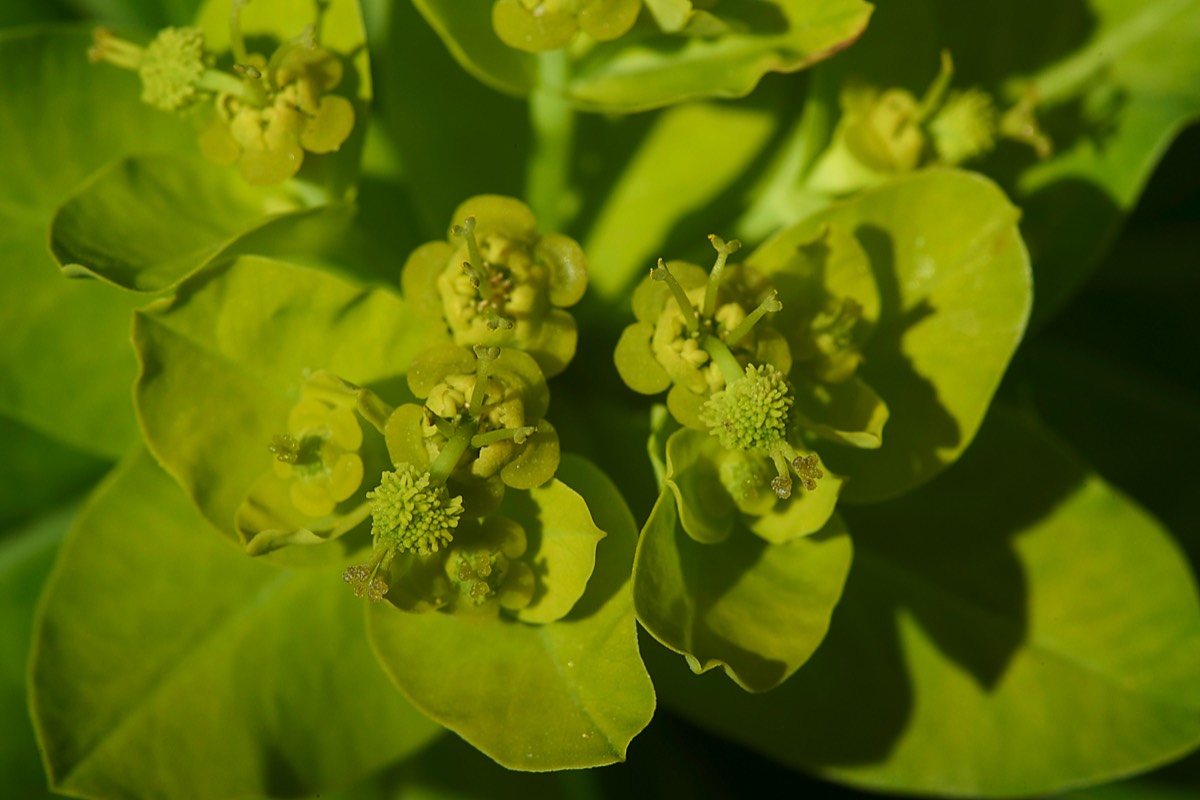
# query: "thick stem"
(553, 121)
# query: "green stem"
(553, 122)
(937, 90)
(731, 370)
(448, 459)
(213, 80)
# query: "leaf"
(39, 472)
(59, 124)
(849, 412)
(647, 68)
(978, 621)
(664, 181)
(953, 279)
(148, 13)
(159, 644)
(41, 481)
(26, 553)
(145, 223)
(592, 692)
(224, 361)
(756, 610)
(433, 115)
(566, 552)
(1116, 80)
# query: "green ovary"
(171, 66)
(411, 515)
(751, 414)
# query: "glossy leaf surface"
(59, 125)
(757, 610)
(224, 361)
(160, 644)
(1116, 81)
(647, 68)
(593, 694)
(954, 287)
(1000, 614)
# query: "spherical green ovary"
(171, 66)
(411, 515)
(751, 414)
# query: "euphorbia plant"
(435, 405)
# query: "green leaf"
(708, 510)
(648, 68)
(26, 554)
(756, 610)
(40, 483)
(147, 13)
(433, 119)
(592, 692)
(953, 281)
(147, 222)
(566, 552)
(849, 412)
(1116, 80)
(663, 182)
(39, 471)
(224, 361)
(60, 123)
(157, 638)
(976, 624)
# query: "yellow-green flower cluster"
(263, 116)
(498, 282)
(888, 131)
(319, 453)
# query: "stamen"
(365, 581)
(809, 470)
(782, 483)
